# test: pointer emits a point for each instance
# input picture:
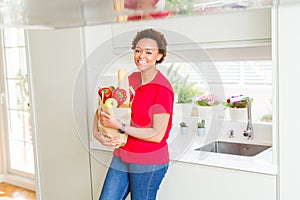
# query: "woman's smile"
(142, 62)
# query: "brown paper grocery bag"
(122, 115)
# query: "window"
(239, 73)
(16, 104)
(250, 78)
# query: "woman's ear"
(159, 56)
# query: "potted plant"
(201, 128)
(267, 117)
(184, 91)
(206, 105)
(241, 103)
(208, 100)
(184, 128)
(237, 108)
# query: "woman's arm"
(153, 134)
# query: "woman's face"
(146, 54)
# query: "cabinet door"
(55, 58)
(194, 182)
(99, 165)
(220, 27)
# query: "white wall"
(63, 162)
(2, 158)
(1, 146)
(289, 71)
(1, 122)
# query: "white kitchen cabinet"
(194, 182)
(99, 165)
(223, 27)
(63, 170)
(100, 161)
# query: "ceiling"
(56, 14)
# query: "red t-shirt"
(152, 98)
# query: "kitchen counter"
(260, 163)
(182, 149)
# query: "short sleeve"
(164, 100)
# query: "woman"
(139, 166)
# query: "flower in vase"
(240, 102)
(208, 100)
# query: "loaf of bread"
(123, 83)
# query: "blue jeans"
(141, 181)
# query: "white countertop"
(182, 149)
(260, 163)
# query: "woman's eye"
(140, 51)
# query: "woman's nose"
(142, 54)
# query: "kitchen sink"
(233, 148)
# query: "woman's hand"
(108, 120)
(104, 139)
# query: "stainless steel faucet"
(231, 134)
(249, 129)
(248, 132)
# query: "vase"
(205, 112)
(201, 131)
(183, 109)
(238, 114)
(184, 130)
